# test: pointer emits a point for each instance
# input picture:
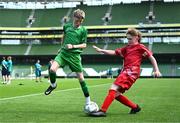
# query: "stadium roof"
(51, 4)
(110, 1)
(41, 0)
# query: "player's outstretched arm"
(70, 46)
(156, 72)
(108, 52)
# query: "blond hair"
(134, 32)
(79, 13)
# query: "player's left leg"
(124, 100)
(37, 75)
(40, 76)
(8, 77)
(52, 75)
(84, 87)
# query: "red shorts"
(126, 78)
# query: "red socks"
(124, 100)
(111, 96)
(109, 99)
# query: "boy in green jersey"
(74, 41)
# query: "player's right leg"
(84, 87)
(107, 102)
(40, 76)
(52, 75)
(37, 75)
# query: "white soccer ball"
(92, 107)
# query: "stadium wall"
(92, 59)
(168, 63)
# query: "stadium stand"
(125, 13)
(13, 49)
(167, 12)
(94, 14)
(166, 48)
(90, 50)
(45, 49)
(14, 18)
(49, 17)
(106, 37)
(113, 46)
(121, 14)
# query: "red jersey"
(133, 54)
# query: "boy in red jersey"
(133, 55)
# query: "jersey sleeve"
(120, 51)
(84, 35)
(145, 51)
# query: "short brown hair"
(134, 32)
(79, 13)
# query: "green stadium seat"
(166, 48)
(129, 13)
(14, 17)
(49, 17)
(94, 14)
(167, 12)
(44, 49)
(13, 49)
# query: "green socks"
(84, 88)
(52, 76)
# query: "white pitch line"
(30, 95)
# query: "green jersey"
(73, 36)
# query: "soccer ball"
(92, 107)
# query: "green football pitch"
(24, 101)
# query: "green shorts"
(73, 60)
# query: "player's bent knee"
(54, 67)
(80, 76)
(121, 90)
(114, 87)
(53, 70)
(81, 79)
